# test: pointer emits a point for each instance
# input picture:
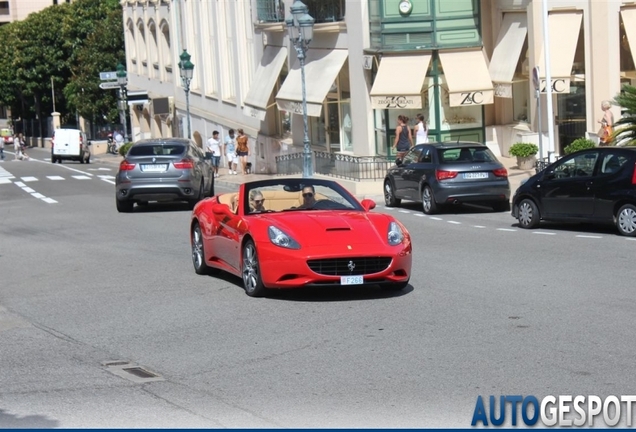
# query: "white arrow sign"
(109, 85)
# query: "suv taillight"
(184, 164)
(444, 175)
(126, 166)
(500, 172)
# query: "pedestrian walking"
(214, 152)
(230, 151)
(1, 149)
(17, 147)
(403, 138)
(242, 150)
(607, 124)
(421, 130)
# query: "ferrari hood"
(327, 227)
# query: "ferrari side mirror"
(368, 204)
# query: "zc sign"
(480, 97)
(379, 102)
(559, 85)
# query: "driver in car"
(257, 203)
(309, 197)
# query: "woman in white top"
(421, 131)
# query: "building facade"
(466, 65)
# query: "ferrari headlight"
(280, 238)
(395, 234)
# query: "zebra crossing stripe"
(55, 178)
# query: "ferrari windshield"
(297, 195)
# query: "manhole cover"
(131, 372)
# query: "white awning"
(629, 22)
(505, 57)
(399, 81)
(467, 77)
(264, 81)
(564, 28)
(321, 70)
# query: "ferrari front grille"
(349, 266)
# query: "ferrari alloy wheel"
(626, 220)
(389, 195)
(198, 252)
(429, 206)
(251, 271)
(528, 214)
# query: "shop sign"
(254, 112)
(503, 90)
(396, 102)
(559, 85)
(478, 97)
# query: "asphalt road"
(491, 310)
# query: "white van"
(70, 144)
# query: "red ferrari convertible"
(294, 232)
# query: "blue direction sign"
(108, 76)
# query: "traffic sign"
(108, 76)
(109, 85)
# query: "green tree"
(625, 128)
(95, 35)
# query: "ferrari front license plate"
(351, 280)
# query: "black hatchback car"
(596, 185)
(439, 174)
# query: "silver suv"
(163, 169)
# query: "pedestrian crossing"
(8, 179)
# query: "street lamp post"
(301, 31)
(122, 80)
(186, 68)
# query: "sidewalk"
(362, 190)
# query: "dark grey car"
(164, 169)
(438, 174)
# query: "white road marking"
(55, 178)
(64, 166)
(454, 222)
(29, 179)
(478, 226)
(543, 233)
(405, 211)
(108, 181)
(5, 180)
(110, 177)
(419, 215)
(389, 208)
(5, 174)
(506, 229)
(81, 177)
(35, 194)
(589, 236)
(629, 238)
(99, 169)
(435, 218)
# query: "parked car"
(293, 232)
(163, 169)
(440, 174)
(70, 144)
(595, 185)
(7, 135)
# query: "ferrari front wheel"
(251, 271)
(198, 251)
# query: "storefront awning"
(321, 70)
(505, 57)
(399, 81)
(264, 81)
(467, 77)
(564, 28)
(629, 22)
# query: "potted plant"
(579, 144)
(525, 153)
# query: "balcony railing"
(323, 11)
(336, 165)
